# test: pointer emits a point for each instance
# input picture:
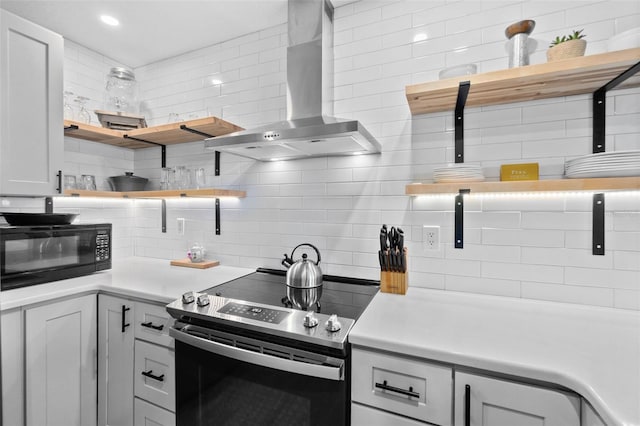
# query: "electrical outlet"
(430, 237)
(180, 226)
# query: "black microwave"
(32, 255)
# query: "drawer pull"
(467, 405)
(150, 375)
(150, 325)
(409, 393)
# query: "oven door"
(226, 380)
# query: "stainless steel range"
(246, 356)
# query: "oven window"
(216, 390)
(36, 254)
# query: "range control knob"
(310, 320)
(333, 324)
(203, 300)
(188, 298)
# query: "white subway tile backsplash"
(530, 246)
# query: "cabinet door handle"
(59, 176)
(467, 405)
(150, 375)
(150, 325)
(124, 324)
(409, 392)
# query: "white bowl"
(625, 40)
(457, 71)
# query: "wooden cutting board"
(199, 265)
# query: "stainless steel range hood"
(310, 129)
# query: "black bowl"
(28, 219)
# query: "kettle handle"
(310, 245)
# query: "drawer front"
(154, 374)
(362, 415)
(407, 387)
(146, 414)
(152, 324)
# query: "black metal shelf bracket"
(463, 91)
(163, 148)
(217, 171)
(70, 127)
(597, 226)
(217, 216)
(600, 107)
(459, 219)
(164, 216)
(197, 132)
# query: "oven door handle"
(269, 361)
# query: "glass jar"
(121, 91)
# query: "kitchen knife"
(384, 264)
(403, 261)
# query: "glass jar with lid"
(121, 91)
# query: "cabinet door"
(12, 368)
(495, 402)
(152, 415)
(115, 357)
(61, 363)
(31, 116)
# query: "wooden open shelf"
(165, 134)
(566, 77)
(177, 193)
(551, 185)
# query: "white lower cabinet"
(136, 385)
(152, 415)
(61, 363)
(409, 387)
(11, 337)
(361, 415)
(496, 402)
(115, 355)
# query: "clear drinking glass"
(164, 178)
(70, 182)
(68, 110)
(83, 114)
(200, 178)
(89, 182)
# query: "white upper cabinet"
(31, 86)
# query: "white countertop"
(593, 351)
(150, 279)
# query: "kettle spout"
(287, 261)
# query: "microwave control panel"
(103, 247)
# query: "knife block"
(395, 282)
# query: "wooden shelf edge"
(439, 95)
(166, 134)
(548, 185)
(185, 193)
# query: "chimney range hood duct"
(310, 129)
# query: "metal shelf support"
(217, 216)
(463, 91)
(600, 107)
(458, 237)
(597, 226)
(163, 148)
(206, 135)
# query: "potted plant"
(567, 46)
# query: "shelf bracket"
(598, 225)
(463, 91)
(206, 135)
(459, 219)
(71, 127)
(600, 107)
(48, 205)
(197, 132)
(217, 216)
(164, 216)
(163, 148)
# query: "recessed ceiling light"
(109, 20)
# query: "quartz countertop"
(150, 279)
(591, 350)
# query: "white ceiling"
(150, 30)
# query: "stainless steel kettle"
(304, 279)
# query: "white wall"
(526, 245)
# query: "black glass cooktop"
(343, 296)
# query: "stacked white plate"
(604, 164)
(458, 173)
